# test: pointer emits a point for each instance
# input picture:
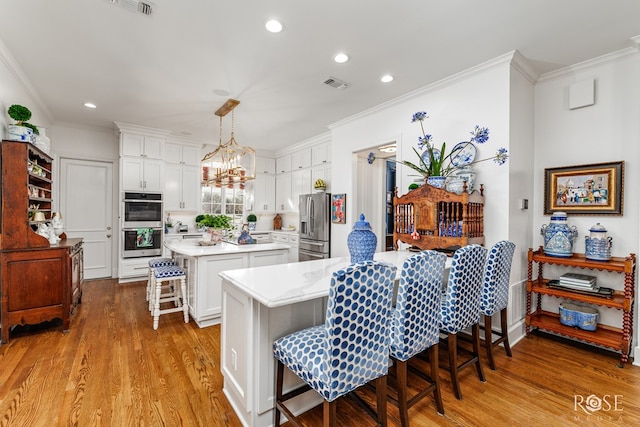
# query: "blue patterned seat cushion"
(415, 321)
(352, 347)
(461, 301)
(495, 290)
(168, 271)
(161, 262)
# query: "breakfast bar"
(262, 304)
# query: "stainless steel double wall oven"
(142, 225)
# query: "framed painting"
(339, 208)
(594, 189)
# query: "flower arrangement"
(434, 162)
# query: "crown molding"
(447, 81)
(521, 64)
(12, 66)
(142, 130)
(306, 143)
(571, 69)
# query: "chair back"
(495, 289)
(415, 322)
(461, 302)
(357, 325)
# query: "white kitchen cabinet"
(265, 165)
(205, 285)
(283, 164)
(284, 201)
(264, 193)
(301, 159)
(300, 184)
(136, 145)
(182, 154)
(181, 188)
(140, 174)
(322, 172)
(205, 294)
(289, 239)
(321, 154)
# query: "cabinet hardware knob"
(108, 235)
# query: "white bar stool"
(155, 263)
(165, 275)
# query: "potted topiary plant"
(21, 131)
(252, 219)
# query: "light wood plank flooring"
(113, 369)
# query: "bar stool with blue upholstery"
(415, 327)
(349, 350)
(154, 263)
(164, 275)
(495, 296)
(461, 308)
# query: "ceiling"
(173, 69)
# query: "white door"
(86, 204)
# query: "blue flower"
(419, 116)
(479, 135)
(501, 156)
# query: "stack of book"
(578, 281)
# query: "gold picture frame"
(594, 189)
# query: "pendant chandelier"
(229, 164)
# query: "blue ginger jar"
(361, 241)
(598, 245)
(559, 236)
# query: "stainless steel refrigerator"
(315, 226)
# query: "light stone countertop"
(190, 247)
(284, 284)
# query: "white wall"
(608, 131)
(455, 105)
(16, 90)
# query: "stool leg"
(156, 304)
(151, 290)
(185, 306)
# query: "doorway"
(86, 203)
(375, 185)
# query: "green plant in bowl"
(252, 218)
(215, 221)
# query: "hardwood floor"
(113, 369)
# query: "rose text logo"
(592, 403)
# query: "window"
(226, 201)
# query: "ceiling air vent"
(336, 83)
(139, 6)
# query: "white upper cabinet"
(265, 165)
(135, 145)
(301, 159)
(283, 164)
(321, 154)
(183, 154)
(181, 188)
(142, 174)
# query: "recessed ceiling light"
(341, 58)
(386, 78)
(273, 26)
(89, 105)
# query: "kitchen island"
(203, 263)
(262, 304)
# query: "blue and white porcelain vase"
(361, 241)
(597, 244)
(559, 236)
(466, 174)
(436, 181)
